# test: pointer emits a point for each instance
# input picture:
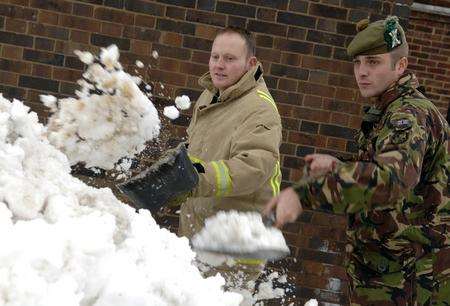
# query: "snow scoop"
(269, 254)
(169, 179)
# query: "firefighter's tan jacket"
(236, 137)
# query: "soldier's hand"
(320, 164)
(287, 207)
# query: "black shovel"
(172, 177)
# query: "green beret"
(378, 37)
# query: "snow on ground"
(111, 118)
(65, 243)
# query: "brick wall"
(430, 54)
(301, 45)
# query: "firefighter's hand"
(287, 207)
(320, 164)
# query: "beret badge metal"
(392, 36)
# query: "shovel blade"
(171, 177)
(264, 254)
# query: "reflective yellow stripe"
(250, 261)
(195, 159)
(275, 180)
(223, 179)
(260, 92)
(268, 98)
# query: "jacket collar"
(246, 82)
(407, 83)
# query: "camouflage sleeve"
(393, 170)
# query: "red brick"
(312, 101)
(84, 10)
(355, 122)
(141, 47)
(8, 78)
(288, 85)
(268, 54)
(205, 31)
(57, 6)
(44, 71)
(145, 21)
(340, 119)
(15, 25)
(200, 57)
(284, 109)
(311, 114)
(65, 74)
(337, 144)
(206, 17)
(113, 15)
(307, 139)
(167, 77)
(80, 23)
(317, 89)
(193, 69)
(80, 36)
(266, 14)
(172, 39)
(345, 94)
(48, 17)
(168, 64)
(318, 76)
(111, 29)
(12, 52)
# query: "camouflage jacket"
(395, 192)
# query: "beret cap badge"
(392, 36)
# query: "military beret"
(378, 37)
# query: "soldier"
(395, 193)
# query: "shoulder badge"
(400, 124)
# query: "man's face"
(229, 60)
(375, 73)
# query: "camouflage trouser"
(427, 284)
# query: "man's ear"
(252, 61)
(402, 64)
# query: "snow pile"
(65, 243)
(238, 232)
(111, 118)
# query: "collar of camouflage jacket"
(248, 81)
(407, 83)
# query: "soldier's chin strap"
(372, 115)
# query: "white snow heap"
(65, 243)
(239, 232)
(110, 119)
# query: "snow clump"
(110, 119)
